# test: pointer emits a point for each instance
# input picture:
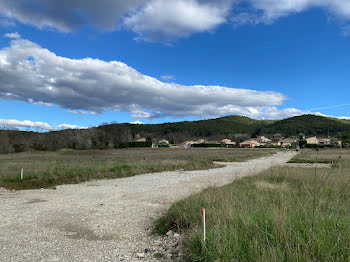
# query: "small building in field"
(287, 142)
(187, 144)
(318, 140)
(250, 144)
(228, 143)
(141, 140)
(312, 140)
(163, 143)
(277, 136)
(275, 143)
(324, 141)
(200, 141)
(263, 140)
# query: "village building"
(318, 140)
(312, 140)
(277, 136)
(287, 142)
(275, 143)
(324, 141)
(141, 140)
(163, 143)
(250, 144)
(187, 144)
(228, 143)
(263, 140)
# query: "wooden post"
(22, 174)
(203, 229)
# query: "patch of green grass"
(270, 217)
(325, 156)
(158, 255)
(119, 167)
(18, 179)
(311, 161)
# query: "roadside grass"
(283, 214)
(322, 156)
(47, 169)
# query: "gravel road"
(105, 220)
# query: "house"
(277, 136)
(200, 141)
(250, 144)
(287, 142)
(163, 143)
(275, 143)
(324, 141)
(141, 140)
(228, 143)
(263, 140)
(318, 140)
(312, 140)
(187, 144)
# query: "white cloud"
(167, 77)
(68, 126)
(25, 124)
(346, 30)
(68, 15)
(12, 35)
(268, 11)
(7, 23)
(137, 123)
(36, 125)
(76, 112)
(159, 20)
(96, 86)
(166, 20)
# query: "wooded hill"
(236, 128)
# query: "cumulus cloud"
(267, 11)
(68, 15)
(158, 20)
(25, 124)
(68, 126)
(151, 19)
(166, 20)
(137, 123)
(167, 77)
(7, 23)
(33, 74)
(12, 35)
(37, 125)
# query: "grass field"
(283, 214)
(47, 169)
(326, 156)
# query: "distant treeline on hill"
(237, 128)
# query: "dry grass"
(46, 169)
(323, 156)
(283, 214)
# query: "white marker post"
(22, 174)
(203, 229)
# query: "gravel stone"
(69, 224)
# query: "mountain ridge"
(236, 128)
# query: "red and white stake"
(203, 229)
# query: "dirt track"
(106, 220)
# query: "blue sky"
(65, 65)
